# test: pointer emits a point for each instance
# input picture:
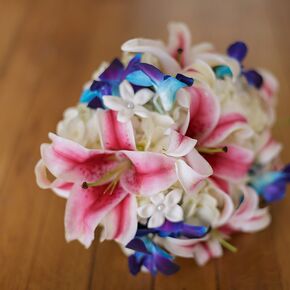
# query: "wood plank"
(48, 49)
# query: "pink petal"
(179, 38)
(227, 125)
(220, 183)
(248, 206)
(259, 221)
(121, 223)
(86, 208)
(204, 112)
(115, 135)
(269, 151)
(191, 172)
(232, 165)
(179, 145)
(150, 173)
(71, 162)
(180, 247)
(61, 188)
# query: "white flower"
(161, 207)
(129, 104)
(80, 125)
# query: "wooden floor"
(48, 49)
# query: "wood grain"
(48, 49)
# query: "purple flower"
(150, 256)
(108, 82)
(271, 185)
(175, 230)
(238, 50)
(165, 86)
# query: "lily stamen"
(213, 150)
(113, 175)
(179, 55)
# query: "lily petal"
(121, 223)
(190, 173)
(204, 112)
(179, 38)
(232, 165)
(86, 208)
(150, 173)
(228, 124)
(115, 135)
(71, 162)
(179, 145)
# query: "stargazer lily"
(212, 130)
(102, 185)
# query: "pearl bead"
(160, 207)
(130, 105)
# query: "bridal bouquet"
(170, 151)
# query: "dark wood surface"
(48, 49)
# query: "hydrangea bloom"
(170, 151)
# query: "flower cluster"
(170, 151)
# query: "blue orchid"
(108, 82)
(175, 230)
(271, 185)
(165, 86)
(151, 256)
(238, 50)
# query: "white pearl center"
(160, 207)
(130, 105)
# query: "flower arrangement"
(170, 151)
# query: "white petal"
(156, 220)
(124, 116)
(143, 96)
(126, 91)
(157, 198)
(146, 210)
(114, 103)
(173, 197)
(141, 112)
(174, 214)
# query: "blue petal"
(164, 265)
(194, 232)
(102, 88)
(238, 50)
(254, 78)
(88, 95)
(275, 191)
(139, 78)
(132, 65)
(221, 71)
(186, 80)
(137, 245)
(134, 264)
(167, 92)
(96, 103)
(152, 72)
(113, 72)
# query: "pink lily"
(213, 130)
(104, 183)
(248, 217)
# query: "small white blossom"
(161, 207)
(129, 103)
